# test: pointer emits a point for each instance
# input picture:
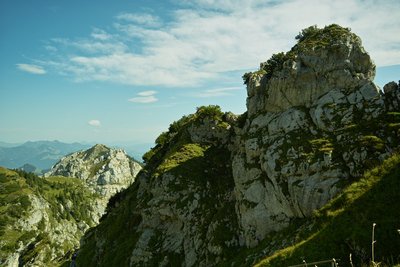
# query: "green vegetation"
(177, 131)
(372, 142)
(60, 198)
(308, 39)
(344, 225)
(313, 37)
(198, 169)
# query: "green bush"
(312, 37)
(176, 131)
(213, 111)
(176, 126)
(163, 138)
(275, 63)
(308, 39)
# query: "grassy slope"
(344, 225)
(119, 229)
(15, 189)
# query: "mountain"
(5, 144)
(30, 168)
(106, 170)
(41, 154)
(319, 140)
(42, 219)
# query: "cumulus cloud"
(95, 123)
(34, 69)
(206, 38)
(144, 97)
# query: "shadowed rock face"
(218, 182)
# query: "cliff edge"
(216, 183)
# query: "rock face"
(43, 218)
(58, 210)
(104, 169)
(288, 164)
(216, 183)
(311, 69)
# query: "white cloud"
(144, 97)
(207, 38)
(50, 48)
(95, 45)
(95, 123)
(34, 69)
(147, 93)
(100, 34)
(218, 92)
(140, 18)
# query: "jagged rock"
(310, 73)
(216, 182)
(318, 92)
(104, 169)
(390, 87)
(209, 131)
(392, 96)
(47, 219)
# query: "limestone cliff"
(313, 125)
(105, 170)
(43, 218)
(216, 183)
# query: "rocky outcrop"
(216, 183)
(60, 209)
(288, 164)
(311, 69)
(307, 132)
(104, 169)
(43, 219)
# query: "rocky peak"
(322, 60)
(96, 151)
(215, 183)
(106, 170)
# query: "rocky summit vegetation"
(300, 177)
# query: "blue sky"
(122, 71)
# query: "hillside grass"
(344, 225)
(66, 199)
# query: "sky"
(121, 71)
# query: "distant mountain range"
(41, 154)
(44, 154)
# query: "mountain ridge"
(217, 183)
(41, 154)
(43, 218)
